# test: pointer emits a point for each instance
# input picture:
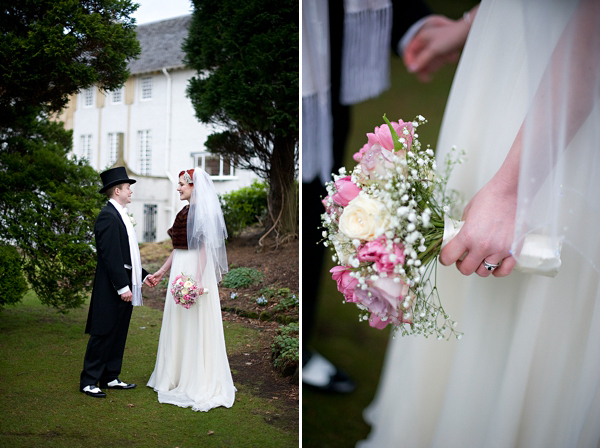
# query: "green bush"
(12, 281)
(242, 278)
(283, 296)
(285, 349)
(244, 207)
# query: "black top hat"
(115, 176)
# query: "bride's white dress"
(191, 368)
(527, 371)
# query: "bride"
(191, 367)
(525, 106)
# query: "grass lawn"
(330, 420)
(42, 357)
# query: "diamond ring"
(490, 266)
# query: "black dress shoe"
(320, 374)
(118, 384)
(93, 391)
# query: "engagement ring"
(490, 266)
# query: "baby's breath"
(416, 200)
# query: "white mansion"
(149, 127)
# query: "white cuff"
(410, 34)
(123, 290)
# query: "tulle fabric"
(206, 230)
(560, 164)
(527, 371)
(191, 367)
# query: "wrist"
(504, 185)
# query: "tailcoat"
(109, 315)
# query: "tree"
(246, 55)
(48, 202)
(51, 49)
(48, 205)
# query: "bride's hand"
(158, 275)
(488, 232)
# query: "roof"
(161, 45)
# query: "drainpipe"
(168, 146)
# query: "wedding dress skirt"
(191, 368)
(527, 371)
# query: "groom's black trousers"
(104, 353)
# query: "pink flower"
(382, 298)
(378, 252)
(383, 137)
(358, 156)
(346, 191)
(376, 161)
(376, 322)
(345, 283)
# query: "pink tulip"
(346, 191)
(383, 137)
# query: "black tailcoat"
(109, 315)
(112, 246)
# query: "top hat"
(115, 176)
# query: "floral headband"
(187, 178)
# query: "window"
(116, 96)
(88, 97)
(145, 152)
(146, 88)
(86, 147)
(219, 168)
(150, 223)
(113, 147)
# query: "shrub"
(285, 349)
(242, 278)
(283, 296)
(244, 207)
(12, 281)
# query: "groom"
(117, 287)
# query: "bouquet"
(185, 291)
(385, 222)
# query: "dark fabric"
(405, 14)
(104, 354)
(109, 315)
(178, 232)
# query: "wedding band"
(490, 266)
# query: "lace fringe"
(366, 54)
(317, 157)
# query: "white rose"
(187, 284)
(364, 218)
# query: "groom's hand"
(150, 281)
(127, 296)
